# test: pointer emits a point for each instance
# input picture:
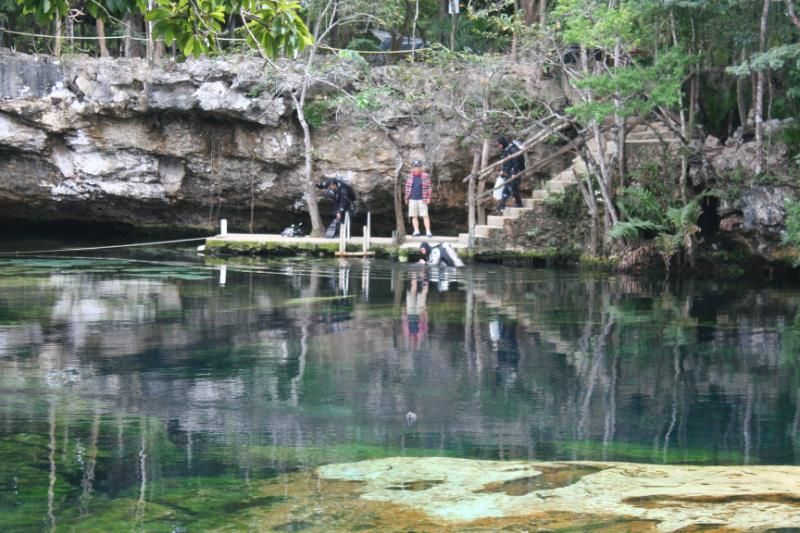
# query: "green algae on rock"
(674, 497)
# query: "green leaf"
(188, 46)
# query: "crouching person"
(343, 197)
(439, 254)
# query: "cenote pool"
(146, 395)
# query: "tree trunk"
(70, 23)
(149, 30)
(414, 30)
(619, 121)
(693, 86)
(440, 32)
(529, 12)
(453, 26)
(604, 179)
(57, 49)
(770, 95)
(128, 41)
(101, 37)
(514, 45)
(134, 29)
(542, 12)
(482, 183)
(684, 126)
(160, 51)
(740, 103)
(407, 18)
(600, 170)
(311, 190)
(587, 191)
(399, 221)
(760, 92)
(792, 15)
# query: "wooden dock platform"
(268, 244)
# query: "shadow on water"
(185, 393)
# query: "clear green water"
(139, 395)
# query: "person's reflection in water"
(415, 318)
(503, 335)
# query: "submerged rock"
(751, 498)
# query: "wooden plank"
(472, 209)
(541, 136)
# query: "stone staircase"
(495, 224)
(642, 134)
(651, 133)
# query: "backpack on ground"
(330, 233)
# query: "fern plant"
(636, 202)
(634, 228)
(674, 230)
(642, 214)
(683, 227)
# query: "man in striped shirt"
(418, 191)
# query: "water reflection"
(148, 372)
(415, 317)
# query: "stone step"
(511, 212)
(538, 194)
(530, 203)
(564, 178)
(660, 128)
(654, 140)
(497, 220)
(485, 231)
(557, 186)
(516, 212)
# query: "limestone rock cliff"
(182, 145)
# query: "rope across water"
(93, 248)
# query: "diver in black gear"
(343, 197)
(439, 254)
(510, 169)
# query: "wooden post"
(369, 229)
(472, 209)
(342, 238)
(223, 227)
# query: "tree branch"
(792, 14)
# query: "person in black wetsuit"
(510, 169)
(439, 254)
(343, 197)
